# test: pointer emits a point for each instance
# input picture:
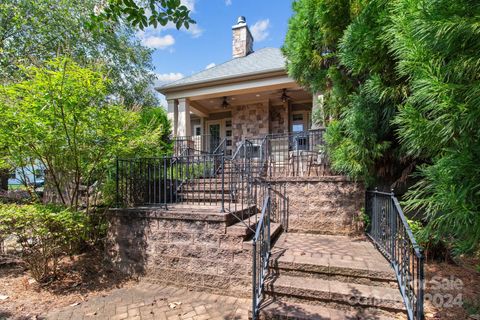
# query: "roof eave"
(221, 80)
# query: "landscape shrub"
(45, 233)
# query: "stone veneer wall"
(250, 121)
(186, 250)
(324, 205)
(278, 119)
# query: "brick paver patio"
(149, 301)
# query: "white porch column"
(173, 115)
(183, 123)
(318, 111)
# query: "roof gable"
(261, 61)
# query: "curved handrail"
(391, 233)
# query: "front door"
(214, 130)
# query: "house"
(28, 175)
(246, 206)
(249, 96)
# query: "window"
(197, 130)
(298, 123)
(297, 117)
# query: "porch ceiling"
(213, 105)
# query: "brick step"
(335, 294)
(333, 267)
(299, 311)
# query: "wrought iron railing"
(193, 179)
(260, 256)
(391, 233)
(186, 179)
(297, 154)
(200, 144)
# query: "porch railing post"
(393, 222)
(254, 280)
(223, 182)
(421, 288)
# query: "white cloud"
(169, 77)
(158, 42)
(210, 65)
(190, 4)
(260, 30)
(228, 2)
(157, 39)
(195, 31)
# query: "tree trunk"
(4, 180)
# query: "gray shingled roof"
(263, 60)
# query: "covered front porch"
(276, 120)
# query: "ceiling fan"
(285, 97)
(225, 103)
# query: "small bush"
(433, 246)
(45, 233)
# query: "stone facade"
(279, 119)
(242, 42)
(324, 205)
(187, 250)
(250, 121)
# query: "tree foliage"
(437, 48)
(32, 32)
(145, 13)
(407, 92)
(61, 116)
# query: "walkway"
(330, 278)
(149, 301)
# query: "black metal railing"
(297, 154)
(185, 179)
(391, 233)
(201, 144)
(261, 255)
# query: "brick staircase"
(330, 277)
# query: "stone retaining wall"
(192, 251)
(324, 205)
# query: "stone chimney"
(242, 39)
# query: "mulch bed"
(452, 290)
(80, 278)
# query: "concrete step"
(204, 188)
(331, 257)
(300, 311)
(245, 227)
(335, 294)
(275, 231)
(202, 197)
(333, 269)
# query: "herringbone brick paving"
(150, 301)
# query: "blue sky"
(182, 53)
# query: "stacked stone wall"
(324, 205)
(197, 254)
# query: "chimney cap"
(241, 19)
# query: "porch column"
(318, 112)
(183, 122)
(173, 115)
